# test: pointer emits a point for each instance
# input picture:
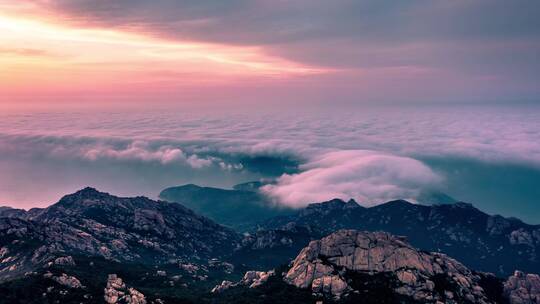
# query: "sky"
(365, 99)
(82, 52)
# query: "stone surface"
(65, 261)
(522, 288)
(256, 278)
(251, 279)
(68, 281)
(117, 292)
(322, 266)
(223, 286)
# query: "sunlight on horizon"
(45, 58)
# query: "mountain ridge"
(71, 250)
(459, 229)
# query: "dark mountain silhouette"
(481, 241)
(240, 209)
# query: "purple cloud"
(467, 50)
(369, 177)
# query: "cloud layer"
(45, 155)
(368, 177)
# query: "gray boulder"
(117, 292)
(251, 279)
(68, 281)
(522, 288)
(324, 264)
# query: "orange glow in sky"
(39, 56)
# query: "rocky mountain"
(244, 207)
(116, 291)
(338, 265)
(480, 241)
(130, 230)
(241, 208)
(92, 247)
(163, 250)
(522, 288)
(350, 266)
(18, 213)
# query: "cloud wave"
(45, 155)
(139, 150)
(369, 177)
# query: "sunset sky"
(75, 52)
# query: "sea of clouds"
(367, 176)
(372, 154)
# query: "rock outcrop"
(251, 279)
(522, 288)
(66, 280)
(116, 292)
(64, 261)
(327, 265)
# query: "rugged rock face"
(251, 279)
(64, 261)
(480, 241)
(117, 292)
(97, 224)
(523, 288)
(19, 242)
(11, 212)
(65, 280)
(327, 265)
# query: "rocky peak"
(89, 191)
(399, 202)
(66, 280)
(251, 279)
(325, 267)
(86, 193)
(11, 212)
(116, 291)
(98, 224)
(522, 288)
(352, 204)
(329, 206)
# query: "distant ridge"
(481, 241)
(240, 209)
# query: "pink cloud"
(369, 177)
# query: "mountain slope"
(351, 266)
(341, 263)
(480, 241)
(131, 230)
(239, 209)
(70, 252)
